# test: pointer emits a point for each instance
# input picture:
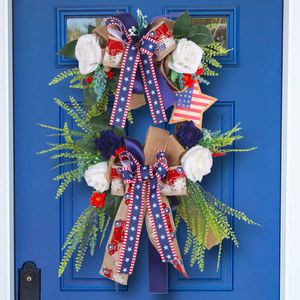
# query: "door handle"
(29, 282)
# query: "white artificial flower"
(197, 163)
(88, 53)
(186, 58)
(96, 176)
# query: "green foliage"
(100, 122)
(87, 145)
(113, 82)
(91, 28)
(197, 33)
(68, 50)
(60, 130)
(130, 117)
(65, 179)
(181, 25)
(208, 215)
(142, 21)
(99, 81)
(76, 147)
(79, 86)
(87, 231)
(112, 204)
(211, 53)
(96, 96)
(89, 98)
(77, 80)
(217, 141)
(77, 116)
(177, 79)
(64, 75)
(227, 209)
(174, 76)
(201, 35)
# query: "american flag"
(190, 105)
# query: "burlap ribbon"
(143, 200)
(156, 139)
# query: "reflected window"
(79, 26)
(218, 27)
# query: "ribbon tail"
(168, 95)
(113, 247)
(133, 228)
(158, 272)
(125, 86)
(177, 260)
(151, 86)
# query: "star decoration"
(190, 105)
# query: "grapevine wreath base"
(162, 63)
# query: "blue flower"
(107, 143)
(188, 134)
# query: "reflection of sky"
(82, 23)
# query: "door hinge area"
(29, 282)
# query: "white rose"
(187, 57)
(196, 163)
(96, 177)
(88, 53)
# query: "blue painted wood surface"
(249, 90)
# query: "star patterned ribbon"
(144, 181)
(137, 54)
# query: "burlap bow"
(156, 139)
(143, 200)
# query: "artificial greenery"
(130, 117)
(217, 142)
(209, 215)
(76, 147)
(88, 232)
(183, 28)
(201, 35)
(68, 50)
(74, 72)
(209, 61)
(142, 21)
(112, 203)
(99, 82)
(76, 151)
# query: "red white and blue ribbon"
(138, 56)
(144, 180)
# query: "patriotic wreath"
(129, 62)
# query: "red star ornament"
(191, 105)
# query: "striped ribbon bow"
(144, 181)
(137, 53)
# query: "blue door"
(248, 89)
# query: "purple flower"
(107, 143)
(188, 134)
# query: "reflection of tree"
(80, 26)
(74, 33)
(218, 27)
